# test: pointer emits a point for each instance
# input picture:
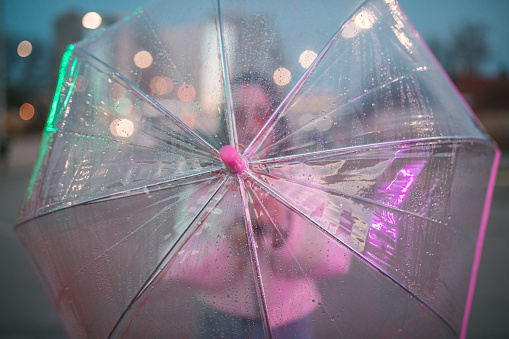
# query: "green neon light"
(56, 99)
(73, 67)
(68, 97)
(47, 136)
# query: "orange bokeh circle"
(186, 92)
(26, 111)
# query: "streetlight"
(91, 20)
(24, 48)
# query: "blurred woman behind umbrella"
(291, 256)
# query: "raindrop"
(306, 58)
(282, 76)
(186, 92)
(143, 59)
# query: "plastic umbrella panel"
(361, 209)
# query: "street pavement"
(25, 312)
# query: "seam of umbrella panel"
(260, 291)
(366, 261)
(157, 186)
(170, 255)
(230, 120)
(280, 110)
(149, 100)
(127, 193)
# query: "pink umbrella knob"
(232, 159)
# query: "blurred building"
(68, 29)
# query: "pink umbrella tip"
(232, 159)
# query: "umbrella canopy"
(246, 169)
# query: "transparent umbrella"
(248, 169)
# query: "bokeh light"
(24, 48)
(282, 76)
(122, 128)
(186, 92)
(124, 106)
(306, 58)
(26, 111)
(143, 59)
(349, 30)
(364, 20)
(91, 20)
(161, 85)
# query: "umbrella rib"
(254, 144)
(153, 103)
(178, 138)
(365, 200)
(179, 243)
(131, 192)
(255, 262)
(319, 155)
(366, 261)
(203, 156)
(295, 259)
(230, 116)
(141, 190)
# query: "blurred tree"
(468, 48)
(464, 51)
(439, 49)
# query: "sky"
(433, 19)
